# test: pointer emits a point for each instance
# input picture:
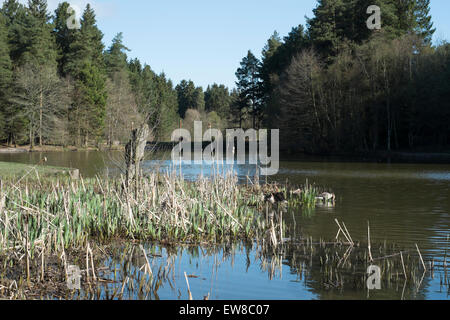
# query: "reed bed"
(40, 219)
(62, 214)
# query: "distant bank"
(24, 149)
(364, 156)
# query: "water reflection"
(246, 272)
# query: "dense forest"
(337, 86)
(61, 86)
(330, 86)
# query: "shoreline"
(26, 149)
(432, 157)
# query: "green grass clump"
(309, 195)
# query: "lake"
(406, 204)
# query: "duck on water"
(278, 197)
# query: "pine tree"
(122, 110)
(325, 29)
(63, 35)
(249, 86)
(33, 48)
(270, 62)
(16, 21)
(85, 64)
(5, 60)
(199, 100)
(5, 74)
(115, 57)
(167, 105)
(39, 56)
(187, 96)
(424, 26)
(41, 47)
(15, 17)
(91, 103)
(336, 21)
(217, 99)
(86, 47)
(144, 86)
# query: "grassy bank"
(10, 170)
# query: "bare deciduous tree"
(44, 100)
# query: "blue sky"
(204, 40)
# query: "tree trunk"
(79, 132)
(40, 117)
(389, 125)
(134, 153)
(31, 137)
(86, 139)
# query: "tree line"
(61, 86)
(334, 85)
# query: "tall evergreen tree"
(326, 28)
(40, 56)
(116, 57)
(5, 74)
(335, 21)
(40, 47)
(5, 60)
(91, 103)
(424, 25)
(199, 99)
(15, 17)
(85, 64)
(166, 112)
(270, 61)
(63, 35)
(87, 45)
(249, 86)
(189, 97)
(144, 86)
(16, 24)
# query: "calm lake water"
(406, 204)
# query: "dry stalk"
(368, 239)
(189, 289)
(420, 255)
